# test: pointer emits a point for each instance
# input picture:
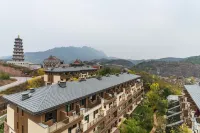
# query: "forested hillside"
(163, 68)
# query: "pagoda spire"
(18, 54)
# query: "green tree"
(131, 126)
(40, 72)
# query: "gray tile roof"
(50, 97)
(194, 91)
(70, 69)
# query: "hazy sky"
(136, 29)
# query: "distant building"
(52, 62)
(77, 63)
(18, 53)
(54, 75)
(18, 56)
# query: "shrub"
(4, 76)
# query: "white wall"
(56, 78)
(10, 116)
(45, 77)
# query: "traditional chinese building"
(18, 56)
(77, 63)
(18, 53)
(52, 62)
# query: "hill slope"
(170, 68)
(121, 62)
(193, 59)
(67, 54)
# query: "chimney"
(32, 90)
(26, 95)
(62, 84)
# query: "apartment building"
(54, 75)
(96, 105)
(191, 104)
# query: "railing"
(88, 109)
(92, 105)
(139, 85)
(108, 101)
(112, 108)
(100, 117)
(59, 125)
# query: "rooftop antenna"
(18, 36)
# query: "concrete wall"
(56, 78)
(45, 78)
(10, 116)
(20, 63)
(35, 128)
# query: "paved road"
(19, 81)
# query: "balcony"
(92, 104)
(112, 109)
(109, 99)
(95, 121)
(62, 125)
(129, 96)
(139, 85)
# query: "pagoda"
(18, 54)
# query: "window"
(93, 97)
(17, 110)
(69, 107)
(95, 112)
(48, 116)
(87, 118)
(71, 128)
(17, 125)
(82, 102)
(101, 94)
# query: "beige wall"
(10, 116)
(11, 130)
(45, 78)
(35, 128)
(56, 78)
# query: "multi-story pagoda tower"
(18, 54)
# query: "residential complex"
(94, 105)
(54, 75)
(186, 109)
(192, 104)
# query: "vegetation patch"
(32, 83)
(4, 76)
(154, 101)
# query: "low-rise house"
(95, 105)
(54, 75)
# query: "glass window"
(69, 107)
(87, 118)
